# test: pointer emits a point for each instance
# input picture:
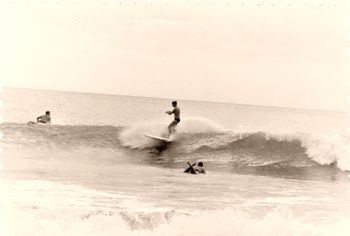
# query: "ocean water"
(270, 171)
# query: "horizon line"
(184, 99)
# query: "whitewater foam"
(321, 148)
(134, 136)
(327, 150)
(194, 137)
(48, 208)
(225, 222)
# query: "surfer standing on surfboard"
(176, 121)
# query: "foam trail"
(198, 125)
(134, 136)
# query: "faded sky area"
(268, 54)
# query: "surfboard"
(33, 123)
(36, 123)
(158, 138)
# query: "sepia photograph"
(175, 117)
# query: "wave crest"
(265, 149)
(252, 149)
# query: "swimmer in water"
(196, 168)
(46, 119)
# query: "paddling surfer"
(44, 119)
(176, 121)
(196, 168)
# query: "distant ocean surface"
(270, 171)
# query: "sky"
(275, 53)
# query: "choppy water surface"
(270, 171)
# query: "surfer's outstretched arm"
(170, 112)
(199, 169)
(190, 169)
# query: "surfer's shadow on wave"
(160, 144)
(159, 149)
(161, 159)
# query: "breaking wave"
(194, 137)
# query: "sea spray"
(247, 148)
(133, 136)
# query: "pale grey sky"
(278, 55)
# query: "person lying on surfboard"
(193, 169)
(176, 121)
(44, 119)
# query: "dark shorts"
(178, 120)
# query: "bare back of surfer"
(44, 119)
(176, 121)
